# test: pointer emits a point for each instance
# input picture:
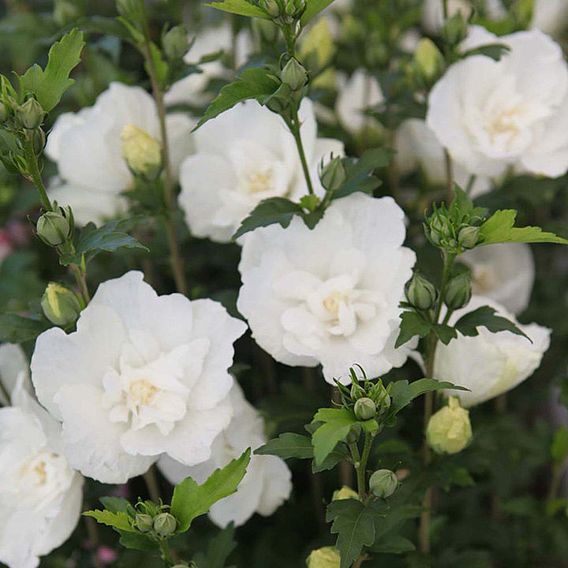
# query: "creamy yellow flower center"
(142, 392)
(332, 302)
(259, 181)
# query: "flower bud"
(380, 396)
(344, 493)
(65, 11)
(357, 391)
(294, 75)
(333, 174)
(420, 292)
(468, 237)
(143, 522)
(458, 293)
(31, 114)
(365, 409)
(279, 102)
(383, 483)
(326, 557)
(4, 112)
(455, 29)
(429, 61)
(55, 227)
(353, 435)
(271, 7)
(142, 152)
(165, 524)
(449, 429)
(38, 140)
(60, 305)
(175, 42)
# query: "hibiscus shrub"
(283, 283)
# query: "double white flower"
(143, 375)
(329, 295)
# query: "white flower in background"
(329, 295)
(209, 41)
(267, 483)
(512, 113)
(242, 157)
(40, 495)
(418, 148)
(142, 375)
(504, 273)
(88, 149)
(550, 16)
(490, 363)
(433, 13)
(14, 369)
(357, 94)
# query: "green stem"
(166, 553)
(294, 126)
(35, 173)
(360, 463)
(80, 274)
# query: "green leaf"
(241, 8)
(313, 8)
(485, 316)
(499, 228)
(117, 505)
(117, 520)
(255, 83)
(18, 329)
(359, 174)
(339, 454)
(268, 212)
(49, 85)
(138, 541)
(412, 324)
(444, 333)
(394, 544)
(559, 448)
(218, 549)
(493, 50)
(288, 446)
(337, 422)
(191, 500)
(354, 524)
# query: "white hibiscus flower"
(493, 115)
(40, 495)
(14, 369)
(490, 363)
(503, 273)
(329, 295)
(143, 375)
(242, 157)
(267, 483)
(87, 149)
(550, 16)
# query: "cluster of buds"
(366, 399)
(284, 11)
(154, 520)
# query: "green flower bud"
(365, 409)
(455, 29)
(458, 293)
(468, 237)
(165, 524)
(142, 152)
(380, 396)
(449, 429)
(383, 483)
(65, 11)
(60, 305)
(357, 391)
(326, 557)
(333, 174)
(428, 59)
(143, 522)
(4, 112)
(279, 102)
(344, 493)
(271, 7)
(55, 227)
(175, 42)
(420, 292)
(294, 75)
(353, 435)
(38, 139)
(31, 114)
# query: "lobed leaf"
(412, 324)
(269, 212)
(313, 8)
(336, 424)
(485, 316)
(118, 520)
(241, 8)
(288, 445)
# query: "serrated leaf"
(117, 505)
(412, 324)
(336, 424)
(218, 549)
(359, 174)
(241, 8)
(255, 83)
(313, 8)
(485, 316)
(499, 228)
(444, 333)
(49, 84)
(191, 500)
(288, 445)
(117, 520)
(269, 212)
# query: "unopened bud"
(429, 61)
(165, 524)
(383, 483)
(357, 391)
(458, 293)
(31, 114)
(143, 522)
(65, 11)
(4, 112)
(326, 557)
(142, 152)
(38, 140)
(271, 7)
(294, 75)
(420, 292)
(55, 227)
(455, 29)
(175, 42)
(365, 409)
(344, 493)
(449, 429)
(333, 175)
(60, 305)
(468, 237)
